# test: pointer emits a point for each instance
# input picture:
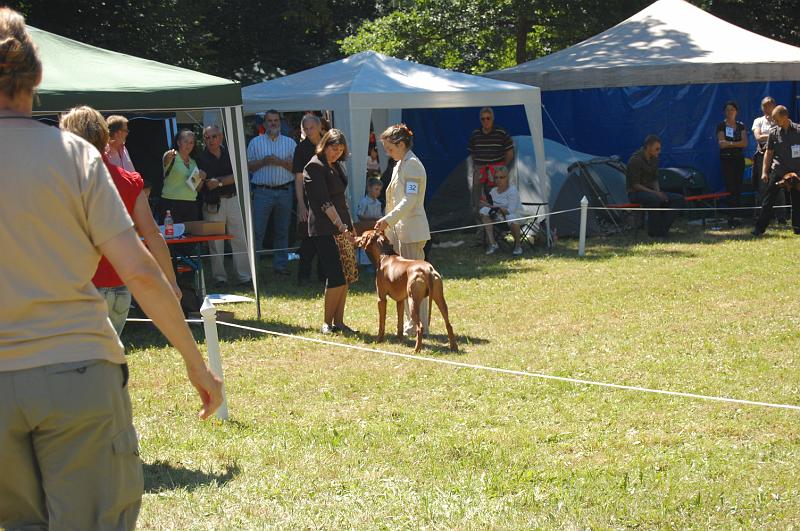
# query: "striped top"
(262, 146)
(489, 148)
(120, 158)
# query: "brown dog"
(403, 279)
(790, 181)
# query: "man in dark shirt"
(489, 146)
(311, 127)
(221, 204)
(643, 188)
(782, 156)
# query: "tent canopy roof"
(669, 42)
(79, 74)
(369, 80)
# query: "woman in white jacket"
(405, 222)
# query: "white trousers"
(231, 213)
(412, 251)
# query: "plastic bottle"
(169, 227)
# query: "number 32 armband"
(412, 187)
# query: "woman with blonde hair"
(405, 222)
(90, 125)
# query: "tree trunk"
(523, 25)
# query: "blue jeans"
(658, 222)
(265, 202)
(118, 301)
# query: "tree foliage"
(249, 40)
(252, 40)
(481, 35)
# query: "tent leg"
(234, 122)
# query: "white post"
(584, 219)
(209, 313)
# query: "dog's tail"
(435, 290)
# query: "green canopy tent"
(79, 74)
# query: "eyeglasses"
(486, 118)
(209, 137)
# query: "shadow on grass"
(432, 344)
(162, 476)
(632, 243)
(146, 335)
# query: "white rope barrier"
(685, 209)
(527, 218)
(513, 372)
(454, 229)
(213, 348)
(523, 218)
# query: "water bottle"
(169, 227)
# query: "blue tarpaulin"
(441, 136)
(608, 122)
(614, 121)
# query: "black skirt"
(338, 264)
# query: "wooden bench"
(707, 199)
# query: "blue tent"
(667, 70)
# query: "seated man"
(643, 188)
(505, 204)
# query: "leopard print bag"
(347, 256)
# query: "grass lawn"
(328, 437)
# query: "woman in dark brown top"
(330, 226)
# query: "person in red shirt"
(90, 125)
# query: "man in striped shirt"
(269, 159)
(489, 146)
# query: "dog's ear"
(385, 245)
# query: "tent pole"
(533, 112)
(233, 117)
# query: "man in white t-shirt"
(761, 128)
(505, 205)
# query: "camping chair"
(534, 226)
(613, 219)
(503, 236)
(529, 228)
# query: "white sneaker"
(492, 248)
(517, 251)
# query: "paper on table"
(193, 181)
(222, 298)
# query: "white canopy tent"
(669, 42)
(369, 86)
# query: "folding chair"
(534, 226)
